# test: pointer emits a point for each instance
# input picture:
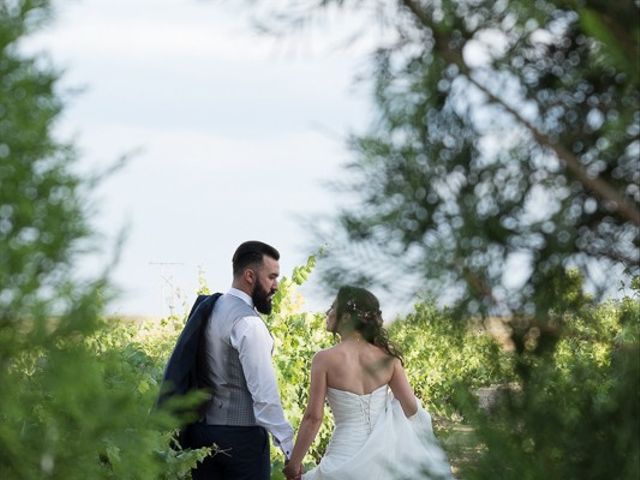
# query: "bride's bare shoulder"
(328, 354)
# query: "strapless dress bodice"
(354, 417)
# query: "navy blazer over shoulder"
(183, 369)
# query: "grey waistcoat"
(231, 403)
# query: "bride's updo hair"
(362, 310)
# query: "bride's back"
(358, 367)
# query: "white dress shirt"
(251, 338)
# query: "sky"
(230, 135)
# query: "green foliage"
(136, 355)
(75, 400)
(203, 289)
(576, 415)
(298, 335)
(442, 355)
(42, 218)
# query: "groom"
(245, 402)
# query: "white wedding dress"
(374, 440)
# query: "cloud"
(180, 30)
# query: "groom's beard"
(261, 299)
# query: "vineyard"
(82, 407)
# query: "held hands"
(292, 471)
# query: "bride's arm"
(402, 389)
(314, 412)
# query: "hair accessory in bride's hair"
(374, 315)
(350, 306)
(365, 316)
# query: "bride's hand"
(292, 471)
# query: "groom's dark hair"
(252, 253)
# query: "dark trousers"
(243, 452)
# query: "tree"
(507, 139)
(42, 218)
(503, 169)
(70, 407)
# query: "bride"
(378, 434)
